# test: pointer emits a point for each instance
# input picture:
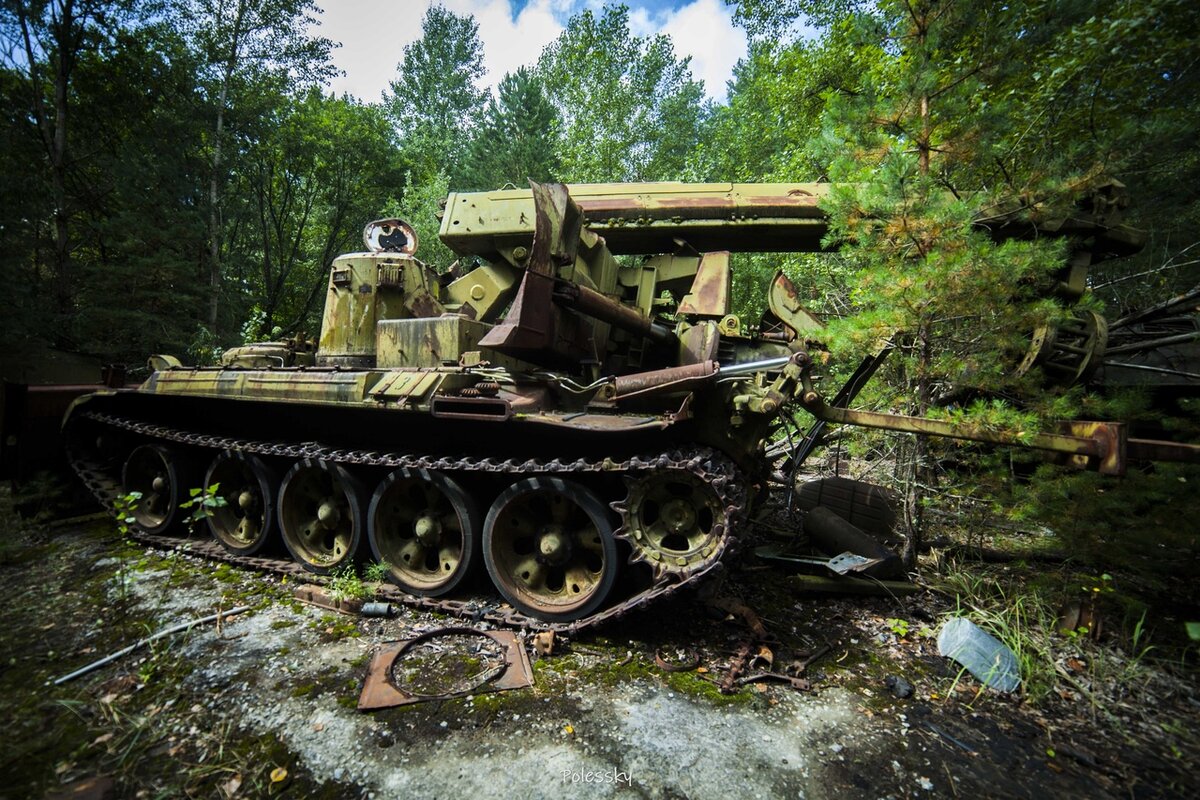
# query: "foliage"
(242, 45)
(437, 92)
(516, 140)
(345, 584)
(770, 128)
(955, 305)
(255, 35)
(631, 110)
(46, 42)
(123, 508)
(1136, 523)
(325, 167)
(377, 571)
(204, 500)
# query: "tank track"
(706, 463)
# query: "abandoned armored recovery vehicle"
(582, 433)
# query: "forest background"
(177, 177)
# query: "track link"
(705, 463)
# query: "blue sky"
(515, 31)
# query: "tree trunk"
(64, 291)
(214, 185)
(54, 140)
(214, 215)
(918, 474)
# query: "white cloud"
(509, 43)
(643, 22)
(373, 34)
(705, 31)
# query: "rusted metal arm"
(671, 380)
(1157, 450)
(594, 304)
(1103, 442)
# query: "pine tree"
(908, 154)
(516, 140)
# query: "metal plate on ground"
(445, 663)
(841, 564)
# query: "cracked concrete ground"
(273, 692)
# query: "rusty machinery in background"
(589, 430)
(39, 383)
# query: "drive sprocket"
(675, 521)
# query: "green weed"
(204, 500)
(345, 584)
(377, 571)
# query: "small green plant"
(1139, 632)
(898, 626)
(202, 504)
(1077, 634)
(123, 508)
(344, 584)
(377, 571)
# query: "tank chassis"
(593, 431)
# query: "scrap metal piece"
(799, 667)
(493, 662)
(689, 662)
(729, 684)
(800, 684)
(840, 564)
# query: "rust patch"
(709, 295)
(317, 596)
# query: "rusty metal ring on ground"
(380, 691)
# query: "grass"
(1021, 608)
(1023, 620)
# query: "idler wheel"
(674, 522)
(163, 481)
(246, 523)
(425, 528)
(549, 548)
(321, 515)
